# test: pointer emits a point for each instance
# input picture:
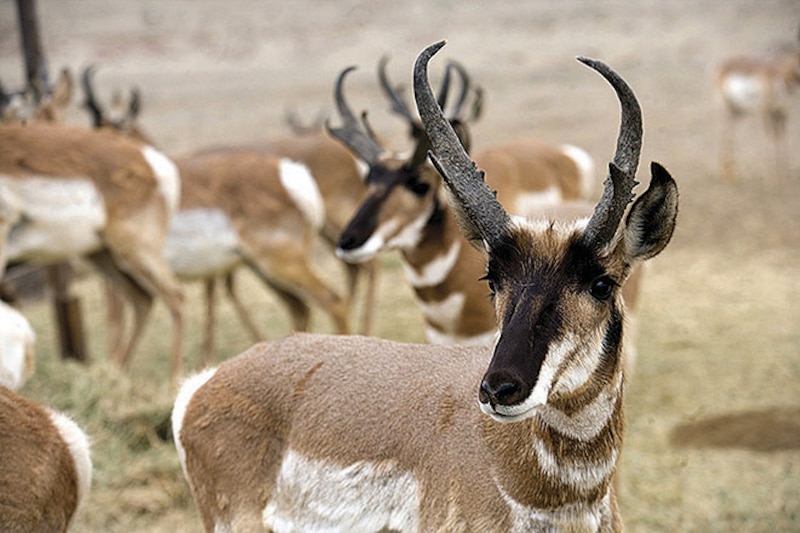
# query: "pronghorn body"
(100, 196)
(339, 179)
(758, 85)
(211, 235)
(405, 209)
(263, 211)
(45, 466)
(323, 433)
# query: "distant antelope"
(337, 433)
(100, 196)
(405, 209)
(45, 103)
(761, 85)
(240, 206)
(45, 466)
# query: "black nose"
(496, 390)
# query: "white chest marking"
(586, 170)
(572, 518)
(531, 203)
(59, 218)
(434, 272)
(201, 243)
(363, 497)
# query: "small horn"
(364, 146)
(618, 186)
(90, 102)
(480, 212)
(399, 106)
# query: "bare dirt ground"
(713, 441)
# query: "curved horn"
(399, 106)
(618, 186)
(477, 205)
(90, 101)
(362, 145)
(135, 105)
(466, 82)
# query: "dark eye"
(417, 187)
(602, 288)
(492, 286)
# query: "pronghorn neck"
(440, 269)
(569, 450)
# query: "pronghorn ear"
(651, 220)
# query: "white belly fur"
(201, 243)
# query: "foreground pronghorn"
(405, 209)
(323, 433)
(45, 466)
(100, 196)
(761, 85)
(241, 206)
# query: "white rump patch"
(586, 170)
(78, 444)
(531, 203)
(167, 175)
(17, 345)
(300, 184)
(185, 394)
(60, 218)
(201, 243)
(363, 497)
(745, 92)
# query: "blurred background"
(713, 438)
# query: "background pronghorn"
(99, 196)
(241, 206)
(759, 85)
(405, 209)
(356, 434)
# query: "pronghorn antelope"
(761, 85)
(406, 209)
(42, 103)
(240, 206)
(324, 433)
(45, 466)
(100, 196)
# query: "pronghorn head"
(39, 101)
(404, 192)
(119, 117)
(555, 287)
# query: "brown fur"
(137, 213)
(38, 480)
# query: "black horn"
(480, 212)
(618, 186)
(90, 101)
(360, 142)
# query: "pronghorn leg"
(299, 311)
(209, 333)
(241, 309)
(370, 271)
(115, 307)
(119, 282)
(728, 145)
(144, 264)
(776, 125)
